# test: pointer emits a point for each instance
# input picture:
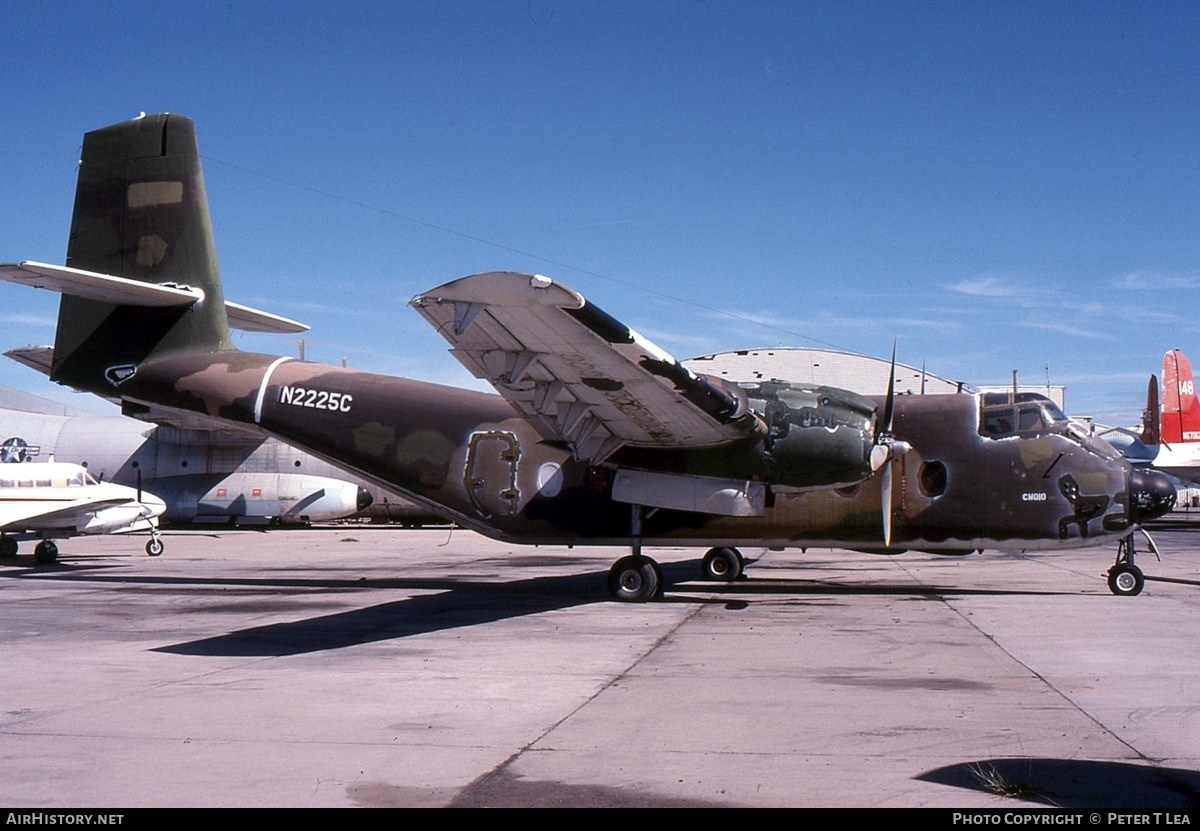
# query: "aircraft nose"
(364, 499)
(1151, 494)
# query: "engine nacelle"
(118, 519)
(817, 437)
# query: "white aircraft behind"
(58, 499)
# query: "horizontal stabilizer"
(122, 292)
(93, 286)
(247, 319)
(38, 358)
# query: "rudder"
(1180, 408)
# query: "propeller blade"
(885, 450)
(885, 490)
(882, 449)
(890, 401)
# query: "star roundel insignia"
(14, 449)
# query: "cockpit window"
(81, 478)
(1025, 414)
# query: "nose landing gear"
(1125, 579)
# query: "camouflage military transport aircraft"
(597, 436)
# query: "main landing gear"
(723, 564)
(1125, 578)
(45, 552)
(637, 578)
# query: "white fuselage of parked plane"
(201, 475)
(62, 499)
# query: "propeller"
(885, 449)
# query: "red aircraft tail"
(1180, 409)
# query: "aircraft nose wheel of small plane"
(45, 552)
(155, 547)
(635, 579)
(723, 564)
(1126, 580)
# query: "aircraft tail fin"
(1180, 420)
(141, 214)
(1151, 434)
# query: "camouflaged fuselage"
(470, 455)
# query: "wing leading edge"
(577, 374)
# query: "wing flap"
(576, 374)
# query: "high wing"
(123, 291)
(578, 375)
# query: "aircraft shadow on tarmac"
(468, 602)
(1076, 783)
(458, 603)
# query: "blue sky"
(998, 186)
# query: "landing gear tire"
(154, 548)
(635, 579)
(1125, 580)
(723, 565)
(8, 547)
(45, 552)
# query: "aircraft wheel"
(8, 547)
(1126, 580)
(723, 564)
(635, 579)
(45, 552)
(154, 548)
